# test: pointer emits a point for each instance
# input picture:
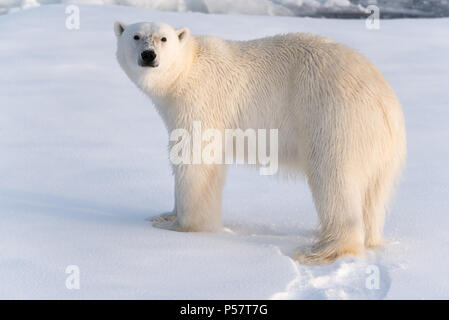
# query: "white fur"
(340, 123)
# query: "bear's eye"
(136, 37)
(164, 39)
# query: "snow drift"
(303, 8)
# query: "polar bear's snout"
(148, 59)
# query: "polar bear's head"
(147, 51)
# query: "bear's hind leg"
(339, 206)
(376, 200)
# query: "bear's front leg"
(165, 217)
(198, 197)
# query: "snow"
(84, 163)
(310, 8)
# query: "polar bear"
(340, 123)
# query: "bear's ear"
(183, 34)
(119, 27)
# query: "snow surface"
(83, 164)
(307, 8)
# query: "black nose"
(148, 55)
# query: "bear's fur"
(340, 123)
